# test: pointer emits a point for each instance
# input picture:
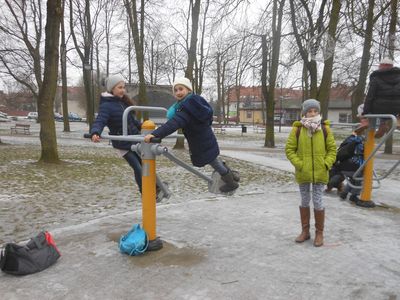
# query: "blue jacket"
(110, 114)
(195, 118)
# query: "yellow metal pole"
(369, 167)
(148, 185)
(149, 197)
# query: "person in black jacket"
(194, 116)
(383, 95)
(349, 157)
(112, 106)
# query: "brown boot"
(319, 227)
(340, 188)
(382, 129)
(305, 225)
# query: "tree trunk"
(193, 40)
(264, 89)
(325, 86)
(358, 95)
(47, 92)
(88, 67)
(63, 60)
(310, 65)
(276, 44)
(180, 142)
(138, 37)
(237, 93)
(219, 87)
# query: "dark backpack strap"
(298, 130)
(324, 131)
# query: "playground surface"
(220, 247)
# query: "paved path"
(238, 247)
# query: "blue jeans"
(136, 164)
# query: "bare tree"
(244, 54)
(391, 38)
(20, 53)
(354, 8)
(222, 58)
(63, 62)
(155, 53)
(21, 59)
(136, 21)
(313, 38)
(276, 27)
(329, 48)
(195, 13)
(47, 91)
(201, 62)
(308, 34)
(109, 10)
(80, 18)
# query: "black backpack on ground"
(38, 254)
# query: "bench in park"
(21, 127)
(259, 128)
(218, 128)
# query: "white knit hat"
(386, 61)
(360, 110)
(113, 80)
(182, 81)
(310, 103)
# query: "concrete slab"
(238, 247)
(241, 247)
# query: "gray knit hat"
(308, 104)
(113, 80)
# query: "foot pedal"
(214, 186)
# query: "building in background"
(251, 108)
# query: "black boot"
(354, 198)
(235, 174)
(343, 195)
(231, 183)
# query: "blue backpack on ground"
(135, 242)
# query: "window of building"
(344, 118)
(249, 114)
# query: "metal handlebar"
(137, 108)
(387, 135)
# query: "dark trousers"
(136, 164)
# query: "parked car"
(233, 119)
(58, 116)
(72, 117)
(32, 115)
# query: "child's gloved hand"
(148, 137)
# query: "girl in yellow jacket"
(311, 149)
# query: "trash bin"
(244, 129)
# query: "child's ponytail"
(128, 101)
